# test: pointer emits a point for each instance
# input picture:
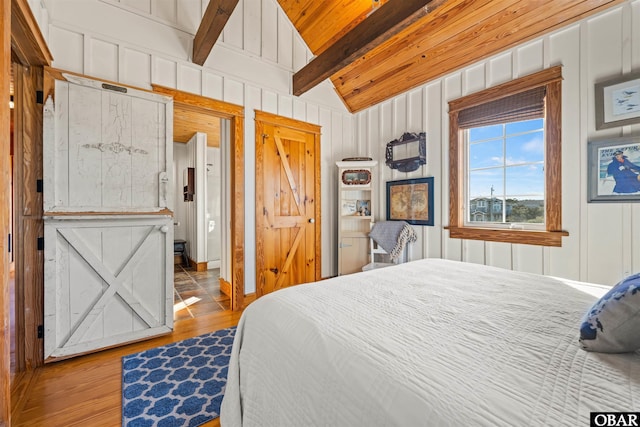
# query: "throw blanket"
(393, 236)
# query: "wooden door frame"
(273, 119)
(5, 196)
(28, 223)
(235, 115)
(22, 42)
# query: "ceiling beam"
(387, 21)
(213, 21)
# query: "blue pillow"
(612, 325)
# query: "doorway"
(189, 108)
(200, 163)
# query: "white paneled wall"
(258, 28)
(140, 42)
(604, 239)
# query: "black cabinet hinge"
(39, 185)
(41, 243)
(40, 332)
(39, 97)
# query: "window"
(505, 162)
(505, 174)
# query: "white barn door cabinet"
(107, 158)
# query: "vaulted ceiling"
(452, 35)
(373, 50)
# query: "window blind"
(518, 107)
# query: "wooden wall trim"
(551, 80)
(287, 122)
(28, 42)
(225, 287)
(199, 102)
(198, 266)
(5, 195)
(541, 78)
(237, 212)
(249, 298)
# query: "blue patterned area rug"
(179, 384)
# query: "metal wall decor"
(408, 152)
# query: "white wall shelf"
(356, 205)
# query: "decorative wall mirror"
(408, 152)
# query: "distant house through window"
(505, 178)
(505, 162)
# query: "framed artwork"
(614, 170)
(618, 101)
(411, 200)
(356, 177)
(363, 207)
(348, 207)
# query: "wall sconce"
(408, 152)
(11, 104)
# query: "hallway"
(197, 293)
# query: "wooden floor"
(87, 390)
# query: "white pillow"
(612, 325)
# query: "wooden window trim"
(551, 78)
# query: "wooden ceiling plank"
(471, 46)
(438, 29)
(335, 19)
(388, 20)
(485, 38)
(211, 26)
(186, 122)
(297, 10)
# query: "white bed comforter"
(427, 343)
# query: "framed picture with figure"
(614, 170)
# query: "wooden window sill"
(525, 237)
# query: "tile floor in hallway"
(197, 293)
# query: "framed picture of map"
(618, 101)
(411, 200)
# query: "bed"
(425, 343)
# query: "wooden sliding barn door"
(287, 202)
